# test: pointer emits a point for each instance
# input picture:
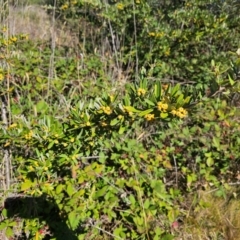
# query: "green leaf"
(121, 130)
(221, 114)
(3, 224)
(118, 232)
(112, 214)
(175, 90)
(138, 221)
(12, 223)
(185, 131)
(26, 185)
(149, 102)
(208, 154)
(80, 193)
(157, 90)
(59, 189)
(131, 109)
(102, 157)
(146, 204)
(143, 83)
(126, 100)
(189, 179)
(158, 231)
(216, 143)
(187, 99)
(231, 81)
(212, 63)
(86, 117)
(70, 189)
(210, 161)
(163, 115)
(114, 122)
(50, 145)
(73, 220)
(145, 112)
(101, 192)
(4, 212)
(237, 62)
(9, 232)
(180, 100)
(167, 237)
(132, 199)
(158, 186)
(41, 106)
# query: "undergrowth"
(116, 124)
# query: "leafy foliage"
(101, 154)
(109, 140)
(174, 40)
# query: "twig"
(98, 175)
(176, 171)
(221, 89)
(113, 38)
(6, 153)
(232, 184)
(53, 45)
(6, 119)
(102, 230)
(140, 197)
(135, 40)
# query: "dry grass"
(31, 20)
(212, 218)
(34, 21)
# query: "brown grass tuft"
(34, 21)
(212, 217)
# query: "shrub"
(99, 168)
